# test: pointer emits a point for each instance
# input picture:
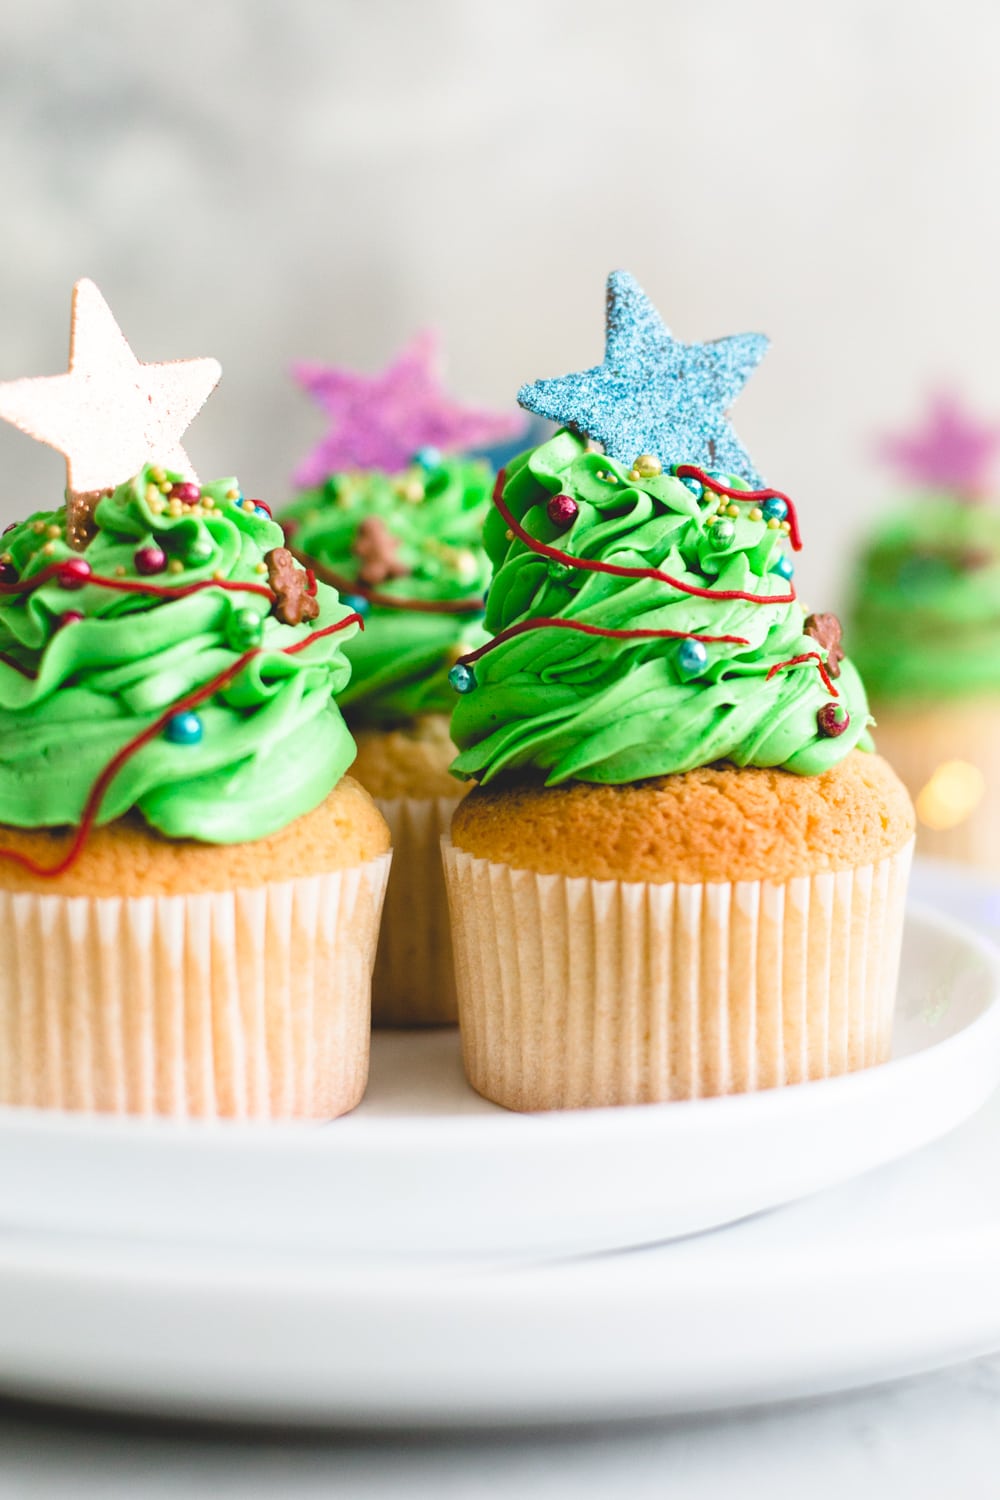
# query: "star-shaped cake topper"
(109, 413)
(951, 450)
(381, 421)
(654, 394)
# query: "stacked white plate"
(435, 1260)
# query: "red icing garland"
(595, 565)
(796, 661)
(381, 600)
(190, 700)
(131, 585)
(749, 497)
(625, 635)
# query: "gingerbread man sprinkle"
(376, 549)
(289, 583)
(826, 631)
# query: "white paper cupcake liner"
(575, 993)
(414, 981)
(917, 745)
(243, 1003)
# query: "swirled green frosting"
(926, 616)
(75, 691)
(400, 664)
(567, 705)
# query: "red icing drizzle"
(797, 661)
(132, 585)
(749, 497)
(595, 565)
(623, 635)
(190, 700)
(345, 585)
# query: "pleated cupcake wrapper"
(577, 992)
(915, 746)
(414, 983)
(242, 1003)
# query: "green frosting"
(273, 744)
(926, 615)
(400, 664)
(569, 705)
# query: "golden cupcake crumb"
(717, 823)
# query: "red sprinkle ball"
(73, 573)
(149, 560)
(562, 511)
(832, 719)
(187, 493)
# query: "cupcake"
(925, 628)
(190, 885)
(683, 869)
(395, 522)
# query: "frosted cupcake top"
(180, 664)
(926, 615)
(642, 611)
(406, 550)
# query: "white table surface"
(931, 1436)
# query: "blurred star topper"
(654, 394)
(381, 421)
(950, 450)
(109, 413)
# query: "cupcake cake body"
(190, 885)
(683, 870)
(925, 625)
(399, 532)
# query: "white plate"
(892, 1273)
(427, 1169)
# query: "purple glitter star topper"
(381, 421)
(951, 450)
(654, 394)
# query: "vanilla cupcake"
(189, 883)
(683, 870)
(925, 628)
(406, 552)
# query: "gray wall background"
(302, 179)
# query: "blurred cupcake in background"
(925, 631)
(391, 506)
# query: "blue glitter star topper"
(654, 394)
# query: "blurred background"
(319, 178)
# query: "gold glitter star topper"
(110, 413)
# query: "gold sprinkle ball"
(207, 502)
(774, 524)
(175, 565)
(38, 527)
(157, 475)
(710, 520)
(6, 557)
(261, 568)
(53, 531)
(786, 528)
(120, 571)
(733, 510)
(175, 508)
(634, 474)
(756, 514)
(48, 549)
(648, 465)
(509, 534)
(157, 507)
